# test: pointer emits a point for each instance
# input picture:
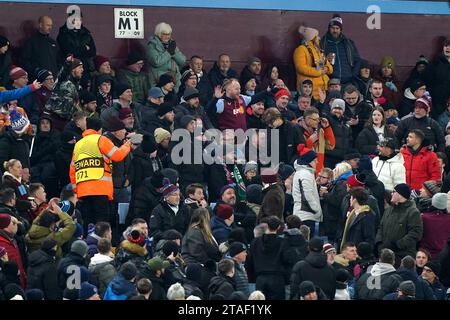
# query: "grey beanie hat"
(79, 247)
(439, 201)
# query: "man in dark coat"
(357, 110)
(42, 272)
(342, 134)
(422, 121)
(439, 79)
(316, 269)
(72, 262)
(146, 197)
(41, 51)
(401, 227)
(170, 213)
(297, 247)
(191, 106)
(221, 71)
(78, 41)
(375, 186)
(273, 197)
(347, 59)
(265, 263)
(407, 271)
(223, 285)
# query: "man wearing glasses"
(317, 133)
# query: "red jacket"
(10, 244)
(420, 167)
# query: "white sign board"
(129, 23)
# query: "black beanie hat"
(315, 245)
(94, 124)
(190, 93)
(164, 108)
(114, 124)
(4, 41)
(121, 88)
(42, 74)
(404, 190)
(86, 97)
(133, 57)
(169, 247)
(307, 287)
(194, 272)
(170, 174)
(48, 244)
(148, 144)
(236, 248)
(416, 84)
(185, 120)
(172, 234)
(34, 294)
(434, 266)
(157, 180)
(165, 79)
(254, 193)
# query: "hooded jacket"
(266, 257)
(316, 269)
(306, 195)
(222, 285)
(102, 272)
(390, 170)
(384, 279)
(119, 289)
(42, 275)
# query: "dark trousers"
(272, 286)
(98, 208)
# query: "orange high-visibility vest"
(91, 166)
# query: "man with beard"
(191, 106)
(282, 97)
(342, 134)
(356, 109)
(254, 114)
(421, 163)
(347, 58)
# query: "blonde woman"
(12, 178)
(332, 199)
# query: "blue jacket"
(423, 288)
(220, 229)
(119, 289)
(9, 95)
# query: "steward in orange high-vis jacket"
(91, 173)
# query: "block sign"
(129, 23)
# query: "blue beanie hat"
(306, 155)
(87, 290)
(364, 163)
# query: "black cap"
(307, 287)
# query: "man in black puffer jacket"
(265, 263)
(42, 271)
(316, 269)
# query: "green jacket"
(139, 83)
(400, 229)
(162, 62)
(38, 234)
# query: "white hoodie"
(305, 192)
(99, 259)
